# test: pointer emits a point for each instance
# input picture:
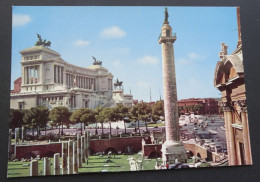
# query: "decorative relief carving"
(242, 105)
(227, 108)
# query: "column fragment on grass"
(46, 166)
(64, 158)
(10, 144)
(70, 157)
(79, 159)
(82, 149)
(56, 164)
(88, 144)
(75, 158)
(34, 168)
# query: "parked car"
(179, 166)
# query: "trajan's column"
(172, 148)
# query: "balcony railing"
(173, 35)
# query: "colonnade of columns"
(234, 152)
(81, 82)
(31, 74)
(73, 155)
(110, 84)
(58, 74)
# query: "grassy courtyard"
(95, 164)
(156, 124)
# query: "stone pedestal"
(173, 150)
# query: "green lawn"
(16, 169)
(156, 124)
(95, 164)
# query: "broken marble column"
(46, 166)
(22, 134)
(79, 159)
(34, 168)
(88, 144)
(75, 158)
(10, 144)
(16, 135)
(82, 149)
(70, 157)
(85, 144)
(16, 139)
(56, 164)
(64, 169)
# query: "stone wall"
(96, 146)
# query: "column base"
(172, 150)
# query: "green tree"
(84, 116)
(110, 115)
(100, 117)
(198, 107)
(30, 119)
(88, 116)
(134, 116)
(60, 115)
(43, 117)
(158, 110)
(122, 114)
(144, 112)
(35, 118)
(15, 119)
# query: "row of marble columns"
(58, 74)
(73, 155)
(81, 82)
(19, 137)
(31, 74)
(232, 144)
(110, 84)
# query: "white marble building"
(50, 81)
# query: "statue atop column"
(41, 42)
(166, 16)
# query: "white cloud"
(148, 60)
(195, 56)
(113, 33)
(191, 58)
(117, 63)
(20, 19)
(82, 42)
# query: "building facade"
(50, 81)
(209, 105)
(229, 79)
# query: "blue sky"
(125, 39)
